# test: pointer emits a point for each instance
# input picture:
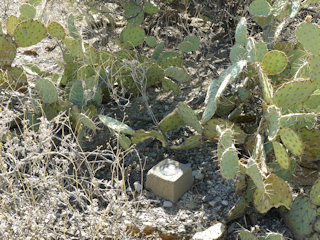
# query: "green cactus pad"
(191, 142)
(291, 140)
(243, 94)
(315, 193)
(260, 8)
(267, 88)
(141, 135)
(133, 12)
(281, 172)
(72, 28)
(76, 92)
(294, 8)
(171, 122)
(250, 49)
(301, 217)
(189, 44)
(236, 112)
(151, 41)
(116, 125)
(260, 51)
(277, 193)
(273, 115)
(255, 173)
(124, 141)
(298, 120)
(86, 121)
(151, 7)
(29, 33)
(170, 59)
(27, 12)
(35, 2)
(237, 53)
(279, 7)
(291, 94)
(157, 51)
(46, 90)
(168, 85)
(247, 235)
(281, 155)
(56, 30)
(229, 163)
(74, 47)
(308, 35)
(311, 141)
(274, 62)
(188, 116)
(11, 23)
(241, 32)
(8, 50)
(85, 72)
(225, 141)
(133, 35)
(50, 111)
(210, 130)
(154, 74)
(314, 62)
(177, 74)
(273, 236)
(217, 87)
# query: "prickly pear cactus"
(281, 155)
(189, 44)
(133, 35)
(292, 94)
(188, 116)
(274, 62)
(8, 50)
(301, 216)
(56, 30)
(29, 33)
(291, 140)
(277, 193)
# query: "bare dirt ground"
(103, 203)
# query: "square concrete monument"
(169, 179)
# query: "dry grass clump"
(49, 187)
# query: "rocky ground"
(118, 204)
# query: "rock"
(197, 175)
(215, 232)
(224, 203)
(181, 229)
(167, 204)
(137, 186)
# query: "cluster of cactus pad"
(287, 73)
(89, 74)
(289, 78)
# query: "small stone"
(181, 229)
(137, 186)
(189, 222)
(212, 203)
(224, 203)
(207, 198)
(197, 175)
(212, 233)
(167, 204)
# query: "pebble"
(224, 203)
(189, 222)
(197, 175)
(181, 229)
(167, 204)
(137, 186)
(207, 198)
